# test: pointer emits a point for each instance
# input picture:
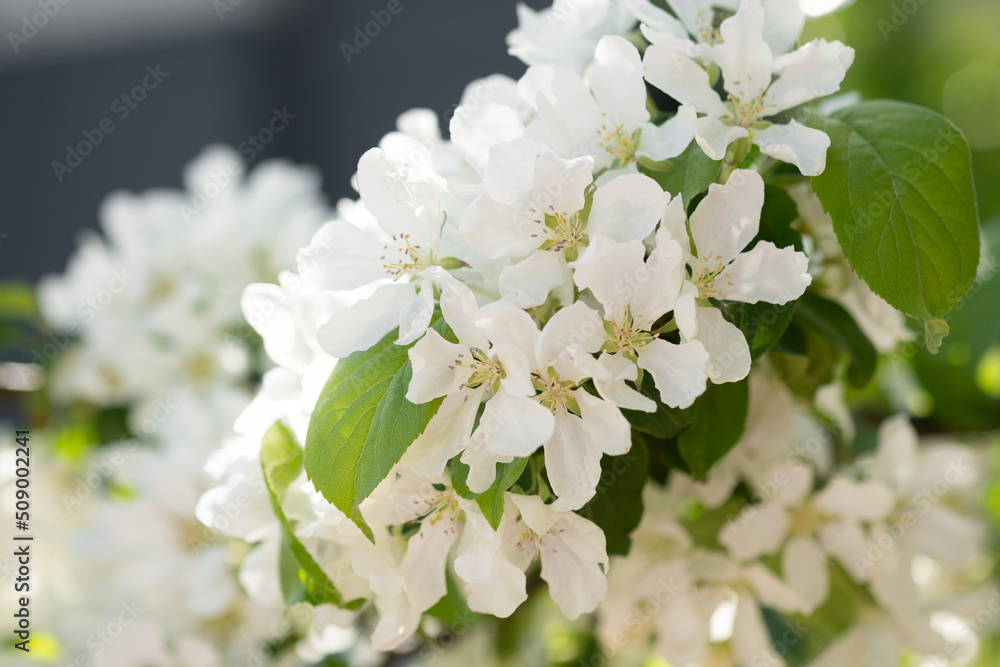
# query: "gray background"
(225, 76)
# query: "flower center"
(554, 393)
(626, 337)
(485, 369)
(528, 538)
(705, 279)
(805, 519)
(565, 233)
(402, 256)
(617, 141)
(709, 23)
(751, 107)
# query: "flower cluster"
(548, 287)
(598, 338)
(151, 316)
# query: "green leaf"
(717, 420)
(664, 456)
(762, 324)
(898, 185)
(836, 325)
(691, 173)
(281, 458)
(363, 423)
(665, 423)
(776, 218)
(490, 501)
(617, 507)
(302, 579)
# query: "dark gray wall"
(221, 88)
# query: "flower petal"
(617, 81)
(423, 566)
(627, 208)
(573, 462)
(758, 530)
(728, 218)
(766, 273)
(795, 144)
(728, 352)
(785, 20)
(435, 372)
(577, 326)
(341, 256)
(683, 79)
(751, 641)
(577, 585)
(744, 56)
(679, 371)
(605, 423)
(861, 501)
(613, 387)
(714, 136)
(845, 541)
(415, 316)
(804, 566)
(370, 319)
(608, 269)
(445, 435)
(509, 176)
(530, 280)
(560, 184)
(514, 425)
(669, 139)
(502, 593)
(500, 230)
(815, 70)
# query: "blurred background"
(227, 65)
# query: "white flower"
(534, 204)
(752, 586)
(565, 33)
(700, 20)
(391, 255)
(721, 227)
(492, 362)
(608, 119)
(635, 293)
(408, 575)
(877, 640)
(748, 65)
(927, 519)
(572, 550)
(830, 522)
(585, 426)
